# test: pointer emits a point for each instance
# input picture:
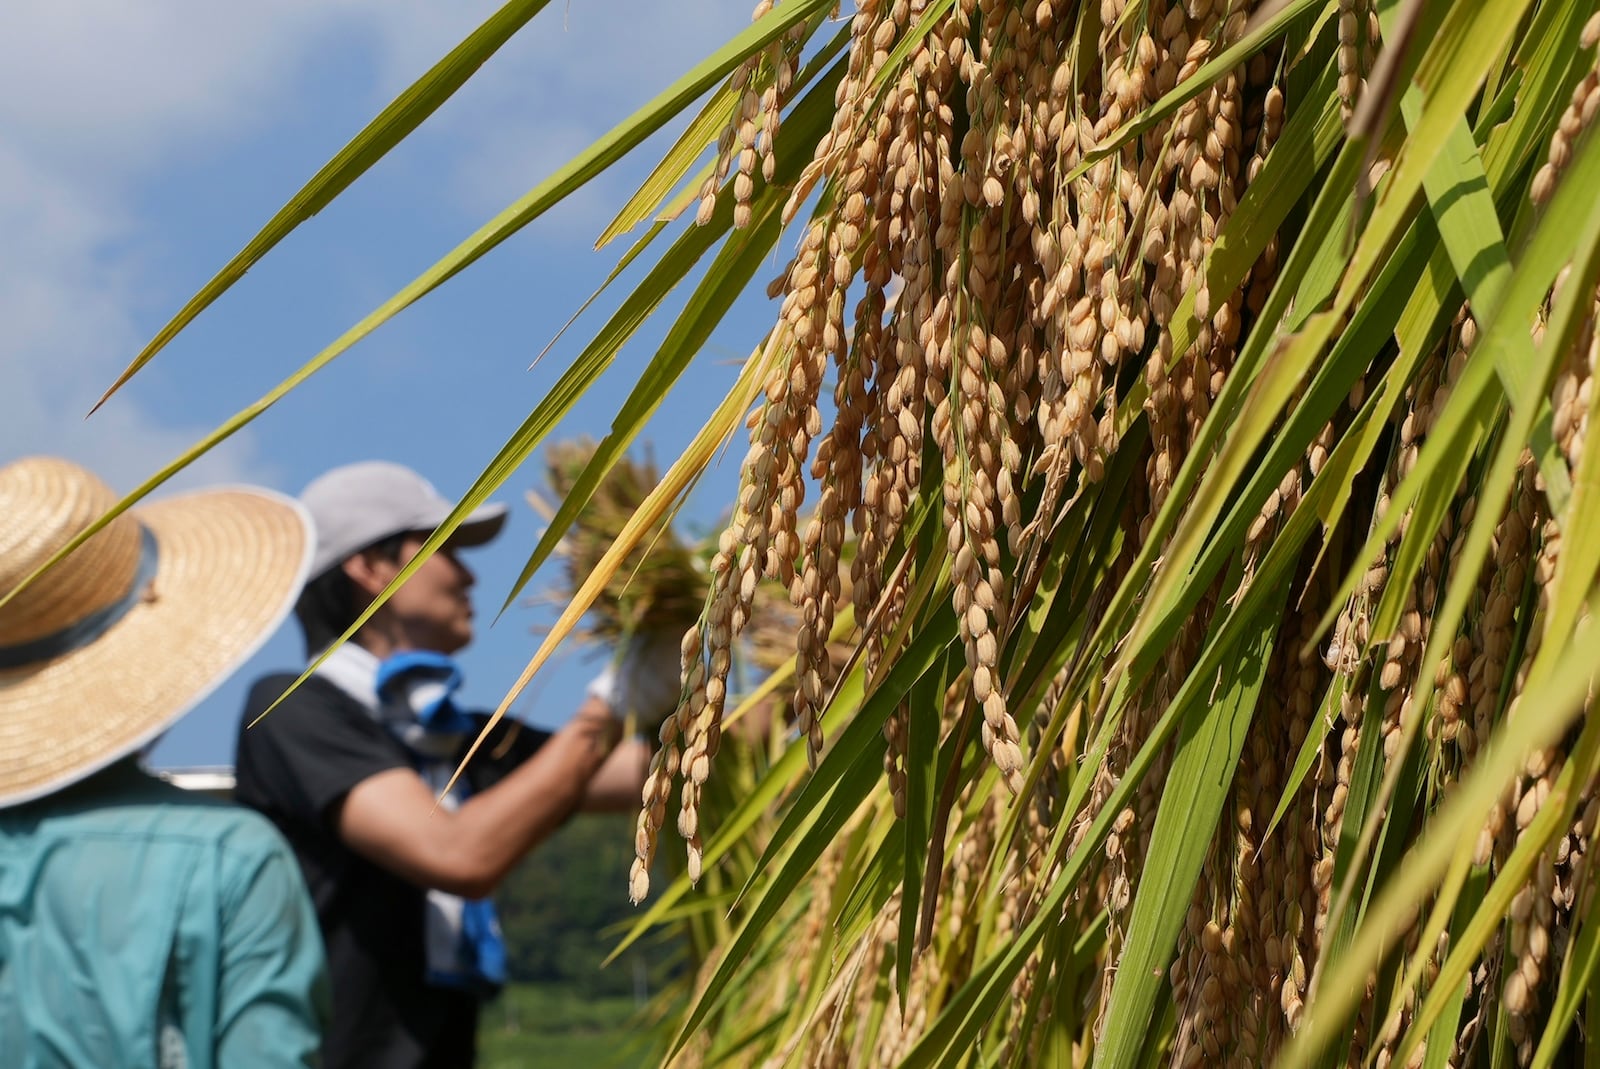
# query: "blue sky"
(142, 144)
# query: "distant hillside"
(557, 903)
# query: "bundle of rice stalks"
(661, 585)
(663, 582)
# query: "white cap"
(360, 504)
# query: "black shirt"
(296, 766)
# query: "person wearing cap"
(140, 924)
(352, 764)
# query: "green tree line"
(561, 914)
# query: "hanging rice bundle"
(662, 583)
(1039, 261)
(1167, 463)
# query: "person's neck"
(382, 643)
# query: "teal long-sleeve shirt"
(144, 926)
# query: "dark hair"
(328, 606)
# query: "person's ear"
(369, 572)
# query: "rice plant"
(1179, 409)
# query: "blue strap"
(80, 633)
(421, 667)
(433, 678)
(480, 930)
(481, 951)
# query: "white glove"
(644, 682)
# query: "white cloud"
(100, 98)
(564, 83)
(103, 102)
(98, 81)
(66, 327)
(96, 97)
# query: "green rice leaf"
(391, 126)
(1192, 803)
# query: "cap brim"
(484, 525)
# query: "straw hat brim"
(230, 565)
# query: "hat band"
(80, 633)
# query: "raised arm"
(392, 818)
(617, 786)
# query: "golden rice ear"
(1051, 296)
(1206, 587)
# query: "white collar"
(353, 669)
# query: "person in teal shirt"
(141, 925)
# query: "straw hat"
(116, 642)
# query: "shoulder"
(243, 841)
(309, 750)
(314, 696)
(313, 714)
(244, 831)
(239, 839)
(134, 803)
